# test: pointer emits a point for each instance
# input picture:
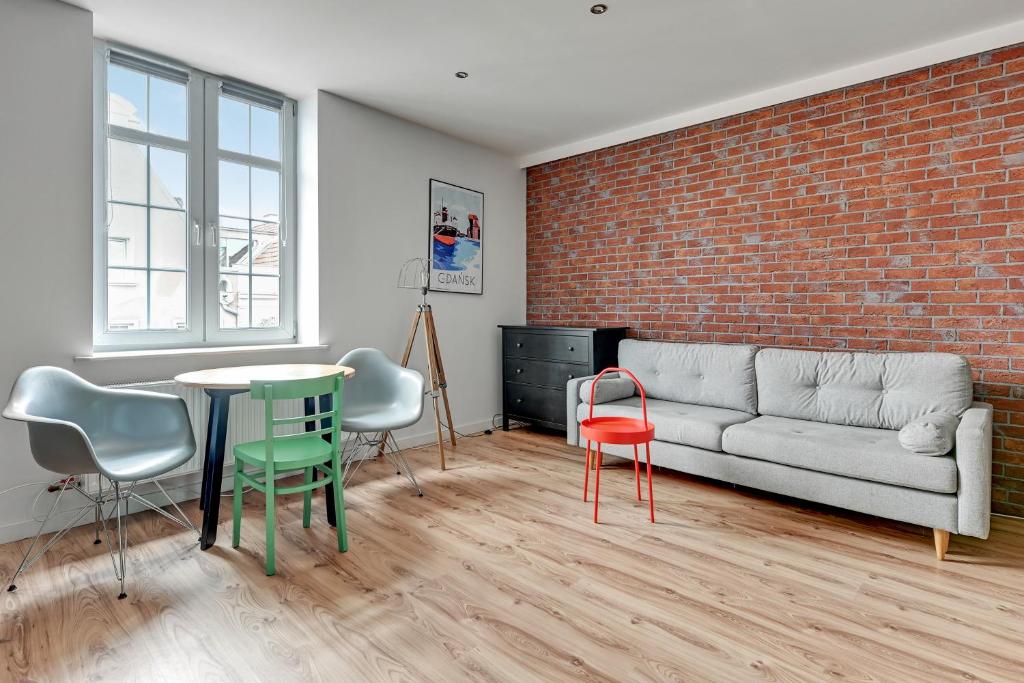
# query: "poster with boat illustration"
(456, 239)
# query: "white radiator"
(245, 422)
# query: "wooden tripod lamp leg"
(412, 337)
(442, 381)
(434, 384)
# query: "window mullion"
(198, 277)
(211, 276)
(149, 227)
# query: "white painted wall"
(373, 172)
(45, 209)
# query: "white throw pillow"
(931, 434)
(612, 387)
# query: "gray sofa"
(821, 426)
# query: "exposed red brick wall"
(883, 216)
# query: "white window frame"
(202, 215)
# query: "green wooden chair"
(277, 453)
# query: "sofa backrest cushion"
(718, 375)
(879, 390)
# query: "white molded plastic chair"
(381, 398)
(124, 436)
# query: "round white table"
(220, 384)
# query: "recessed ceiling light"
(598, 9)
(461, 74)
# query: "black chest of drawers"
(538, 361)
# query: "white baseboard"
(186, 487)
(416, 440)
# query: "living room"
(381, 260)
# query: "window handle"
(211, 234)
(197, 233)
(284, 233)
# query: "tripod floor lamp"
(415, 274)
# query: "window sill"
(197, 351)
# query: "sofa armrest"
(572, 402)
(974, 466)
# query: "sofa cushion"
(857, 452)
(682, 423)
(718, 375)
(879, 390)
(931, 434)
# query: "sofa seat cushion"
(857, 452)
(683, 423)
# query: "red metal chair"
(618, 430)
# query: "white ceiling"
(547, 78)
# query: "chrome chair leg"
(181, 520)
(25, 561)
(122, 535)
(346, 460)
(363, 443)
(397, 458)
(384, 440)
(122, 532)
(98, 507)
(360, 444)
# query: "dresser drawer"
(543, 373)
(535, 403)
(558, 347)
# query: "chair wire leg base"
(99, 511)
(119, 496)
(382, 442)
(28, 560)
(122, 533)
(349, 460)
(395, 456)
(181, 519)
(114, 494)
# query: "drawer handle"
(519, 371)
(519, 400)
(572, 348)
(519, 345)
(572, 376)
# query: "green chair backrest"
(284, 390)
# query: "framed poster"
(456, 239)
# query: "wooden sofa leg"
(941, 543)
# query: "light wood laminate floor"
(498, 574)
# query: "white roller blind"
(252, 94)
(147, 66)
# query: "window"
(195, 202)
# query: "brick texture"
(885, 216)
